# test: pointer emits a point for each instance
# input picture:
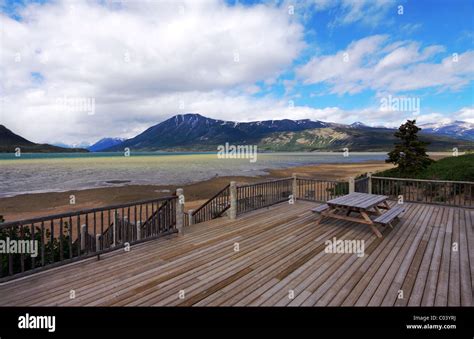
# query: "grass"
(460, 168)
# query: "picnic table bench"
(389, 216)
(363, 205)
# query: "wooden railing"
(157, 222)
(186, 219)
(361, 184)
(320, 190)
(263, 194)
(454, 193)
(213, 208)
(62, 238)
(253, 196)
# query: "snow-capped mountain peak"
(358, 124)
(457, 128)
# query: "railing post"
(191, 217)
(369, 183)
(233, 201)
(351, 185)
(97, 242)
(180, 211)
(295, 187)
(139, 230)
(83, 237)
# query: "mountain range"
(194, 132)
(98, 146)
(105, 143)
(455, 129)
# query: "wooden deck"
(280, 250)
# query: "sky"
(76, 71)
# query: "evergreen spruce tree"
(410, 153)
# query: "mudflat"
(26, 206)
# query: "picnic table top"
(358, 200)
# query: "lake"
(55, 172)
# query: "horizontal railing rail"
(426, 180)
(263, 194)
(89, 210)
(442, 192)
(320, 190)
(40, 243)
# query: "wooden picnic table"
(362, 204)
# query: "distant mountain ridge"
(194, 132)
(9, 141)
(105, 143)
(455, 129)
(64, 145)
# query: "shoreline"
(30, 205)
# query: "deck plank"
(422, 274)
(400, 256)
(443, 277)
(465, 277)
(454, 283)
(347, 284)
(372, 276)
(410, 263)
(470, 240)
(281, 251)
(429, 293)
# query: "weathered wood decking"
(280, 250)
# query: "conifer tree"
(410, 153)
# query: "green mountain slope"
(362, 139)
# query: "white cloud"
(42, 120)
(465, 114)
(144, 61)
(370, 63)
(388, 119)
(136, 59)
(410, 28)
(340, 66)
(369, 12)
